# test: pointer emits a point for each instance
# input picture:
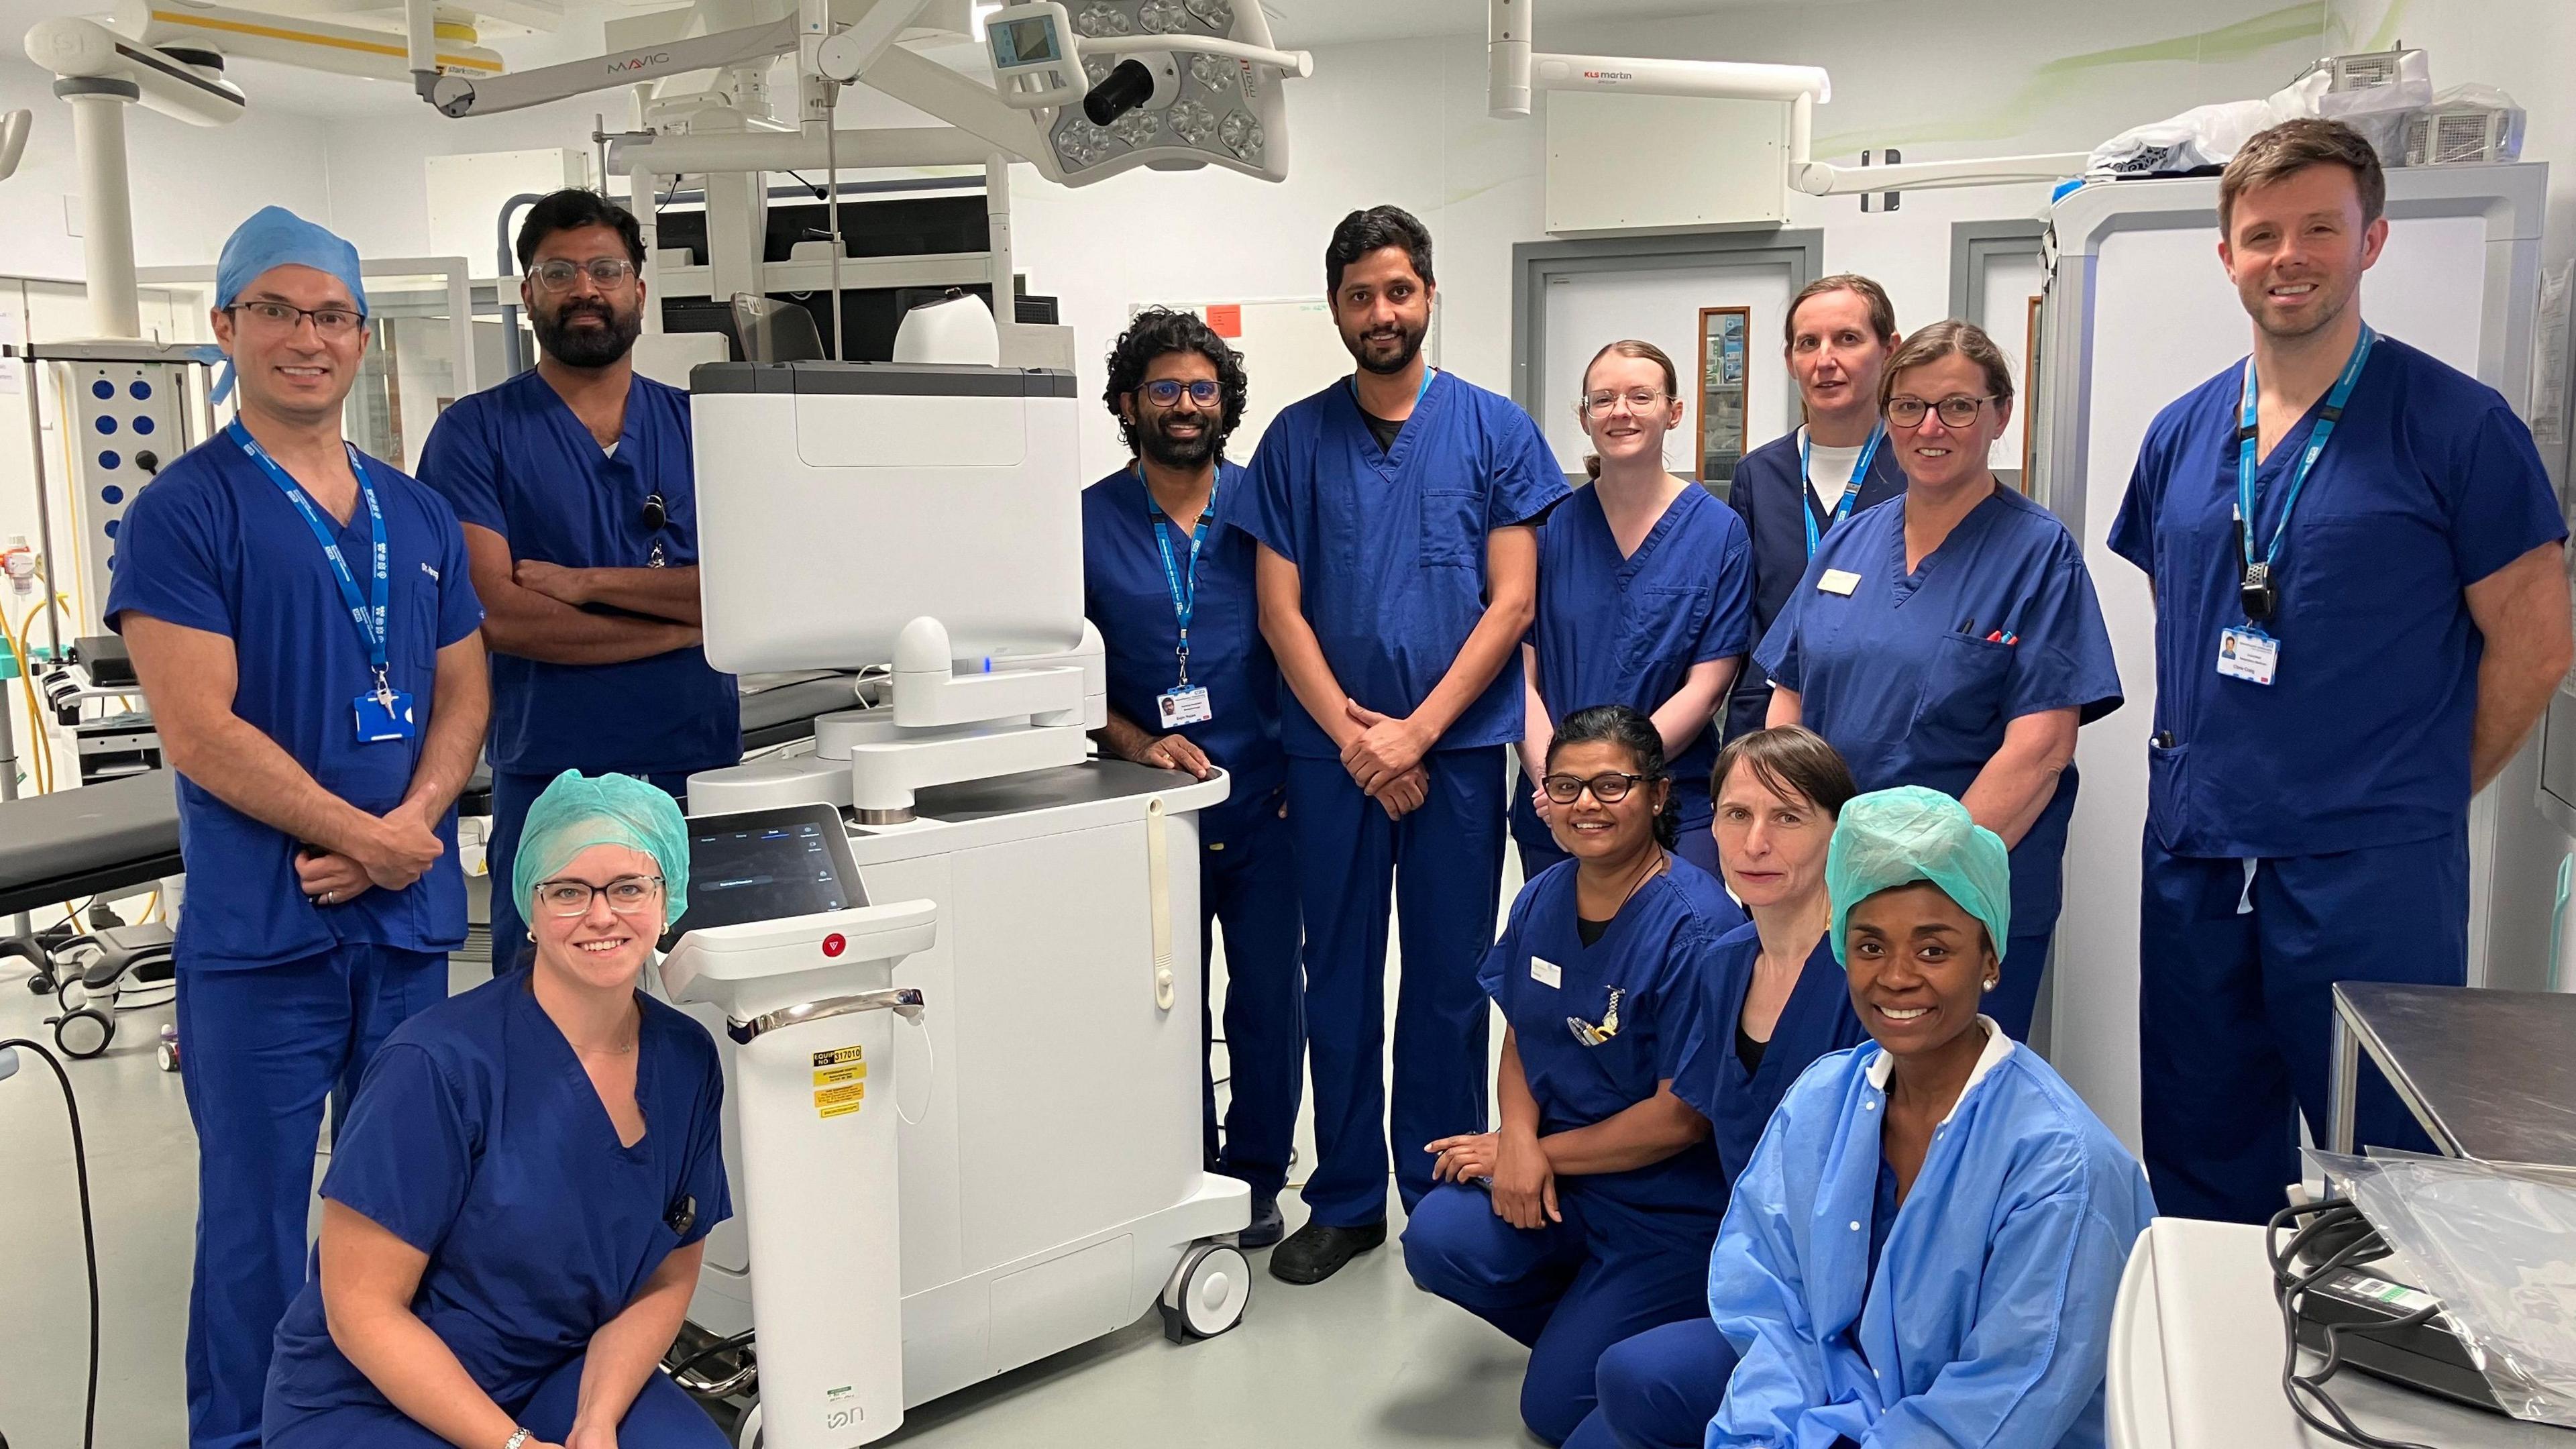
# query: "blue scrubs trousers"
(2016, 997)
(1442, 868)
(1248, 884)
(265, 1045)
(1568, 1290)
(512, 794)
(663, 1416)
(1659, 1389)
(2235, 1010)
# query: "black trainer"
(1316, 1252)
(1268, 1225)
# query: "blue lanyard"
(2248, 429)
(1185, 599)
(369, 612)
(1851, 488)
(1353, 383)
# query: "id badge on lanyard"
(2248, 652)
(1184, 703)
(382, 713)
(1851, 486)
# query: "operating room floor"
(1363, 1359)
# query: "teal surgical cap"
(576, 813)
(1890, 838)
(276, 237)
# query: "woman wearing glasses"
(1587, 1216)
(515, 1210)
(1645, 592)
(1773, 1000)
(1950, 638)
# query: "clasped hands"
(391, 852)
(1385, 759)
(1513, 1166)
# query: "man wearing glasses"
(1192, 687)
(574, 484)
(302, 623)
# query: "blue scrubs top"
(515, 460)
(1816, 1019)
(1654, 954)
(1128, 598)
(2429, 484)
(1614, 630)
(1987, 1319)
(1770, 492)
(1390, 544)
(212, 544)
(478, 1139)
(1900, 676)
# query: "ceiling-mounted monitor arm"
(467, 95)
(1516, 70)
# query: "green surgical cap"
(1890, 838)
(576, 813)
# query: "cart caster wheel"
(749, 1436)
(83, 1033)
(42, 983)
(168, 1055)
(1206, 1294)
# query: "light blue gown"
(1985, 1321)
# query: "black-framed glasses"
(605, 273)
(1638, 399)
(1165, 392)
(331, 322)
(1955, 412)
(627, 895)
(1609, 787)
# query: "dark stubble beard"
(1410, 343)
(1173, 452)
(588, 347)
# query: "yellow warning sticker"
(841, 1076)
(838, 1056)
(831, 1102)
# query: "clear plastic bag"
(2212, 135)
(2496, 1242)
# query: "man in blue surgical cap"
(303, 624)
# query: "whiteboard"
(1290, 350)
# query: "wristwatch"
(516, 1439)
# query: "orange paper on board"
(1225, 319)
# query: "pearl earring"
(1992, 982)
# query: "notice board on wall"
(1290, 350)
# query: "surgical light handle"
(1298, 63)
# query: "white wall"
(192, 185)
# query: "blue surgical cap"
(1890, 838)
(277, 237)
(578, 812)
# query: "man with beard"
(2361, 610)
(574, 483)
(1397, 515)
(1192, 687)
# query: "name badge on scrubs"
(1546, 972)
(1838, 581)
(383, 716)
(1185, 705)
(2248, 654)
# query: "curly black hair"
(1156, 331)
